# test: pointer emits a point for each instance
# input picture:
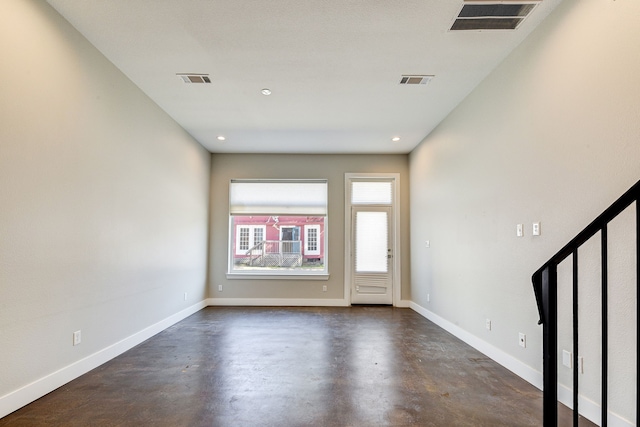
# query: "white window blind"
(305, 197)
(371, 193)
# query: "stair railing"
(545, 281)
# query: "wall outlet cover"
(77, 337)
(522, 340)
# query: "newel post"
(545, 287)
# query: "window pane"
(371, 242)
(312, 242)
(371, 192)
(243, 244)
(257, 235)
(277, 243)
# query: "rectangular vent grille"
(492, 15)
(194, 78)
(415, 80)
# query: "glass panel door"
(372, 270)
(372, 242)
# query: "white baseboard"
(522, 370)
(35, 390)
(277, 302)
(590, 409)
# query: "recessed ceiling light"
(266, 92)
(221, 138)
(395, 139)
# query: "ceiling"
(333, 67)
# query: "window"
(248, 236)
(371, 192)
(277, 228)
(311, 241)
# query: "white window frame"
(308, 228)
(395, 244)
(252, 236)
(297, 274)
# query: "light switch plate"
(536, 229)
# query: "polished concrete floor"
(358, 366)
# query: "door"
(371, 260)
(290, 237)
(290, 249)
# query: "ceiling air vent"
(415, 80)
(492, 15)
(194, 78)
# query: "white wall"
(291, 166)
(103, 204)
(552, 135)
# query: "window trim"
(279, 274)
(397, 276)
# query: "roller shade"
(278, 197)
(371, 192)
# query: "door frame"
(395, 227)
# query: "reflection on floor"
(358, 366)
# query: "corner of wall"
(23, 396)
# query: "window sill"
(260, 276)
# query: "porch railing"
(276, 253)
(545, 282)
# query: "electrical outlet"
(519, 230)
(219, 288)
(522, 340)
(77, 337)
(427, 244)
(487, 324)
(536, 229)
(324, 288)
